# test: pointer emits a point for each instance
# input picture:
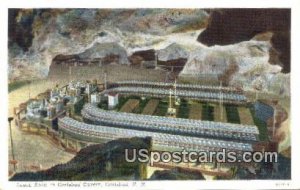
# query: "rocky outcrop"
(229, 26)
(245, 64)
(176, 174)
(64, 58)
(143, 55)
(172, 52)
(99, 54)
(96, 162)
(253, 54)
(173, 57)
(50, 32)
(104, 50)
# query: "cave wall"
(228, 26)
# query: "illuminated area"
(205, 118)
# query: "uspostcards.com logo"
(223, 156)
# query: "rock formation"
(96, 162)
(242, 47)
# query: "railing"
(91, 112)
(162, 139)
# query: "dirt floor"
(113, 73)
